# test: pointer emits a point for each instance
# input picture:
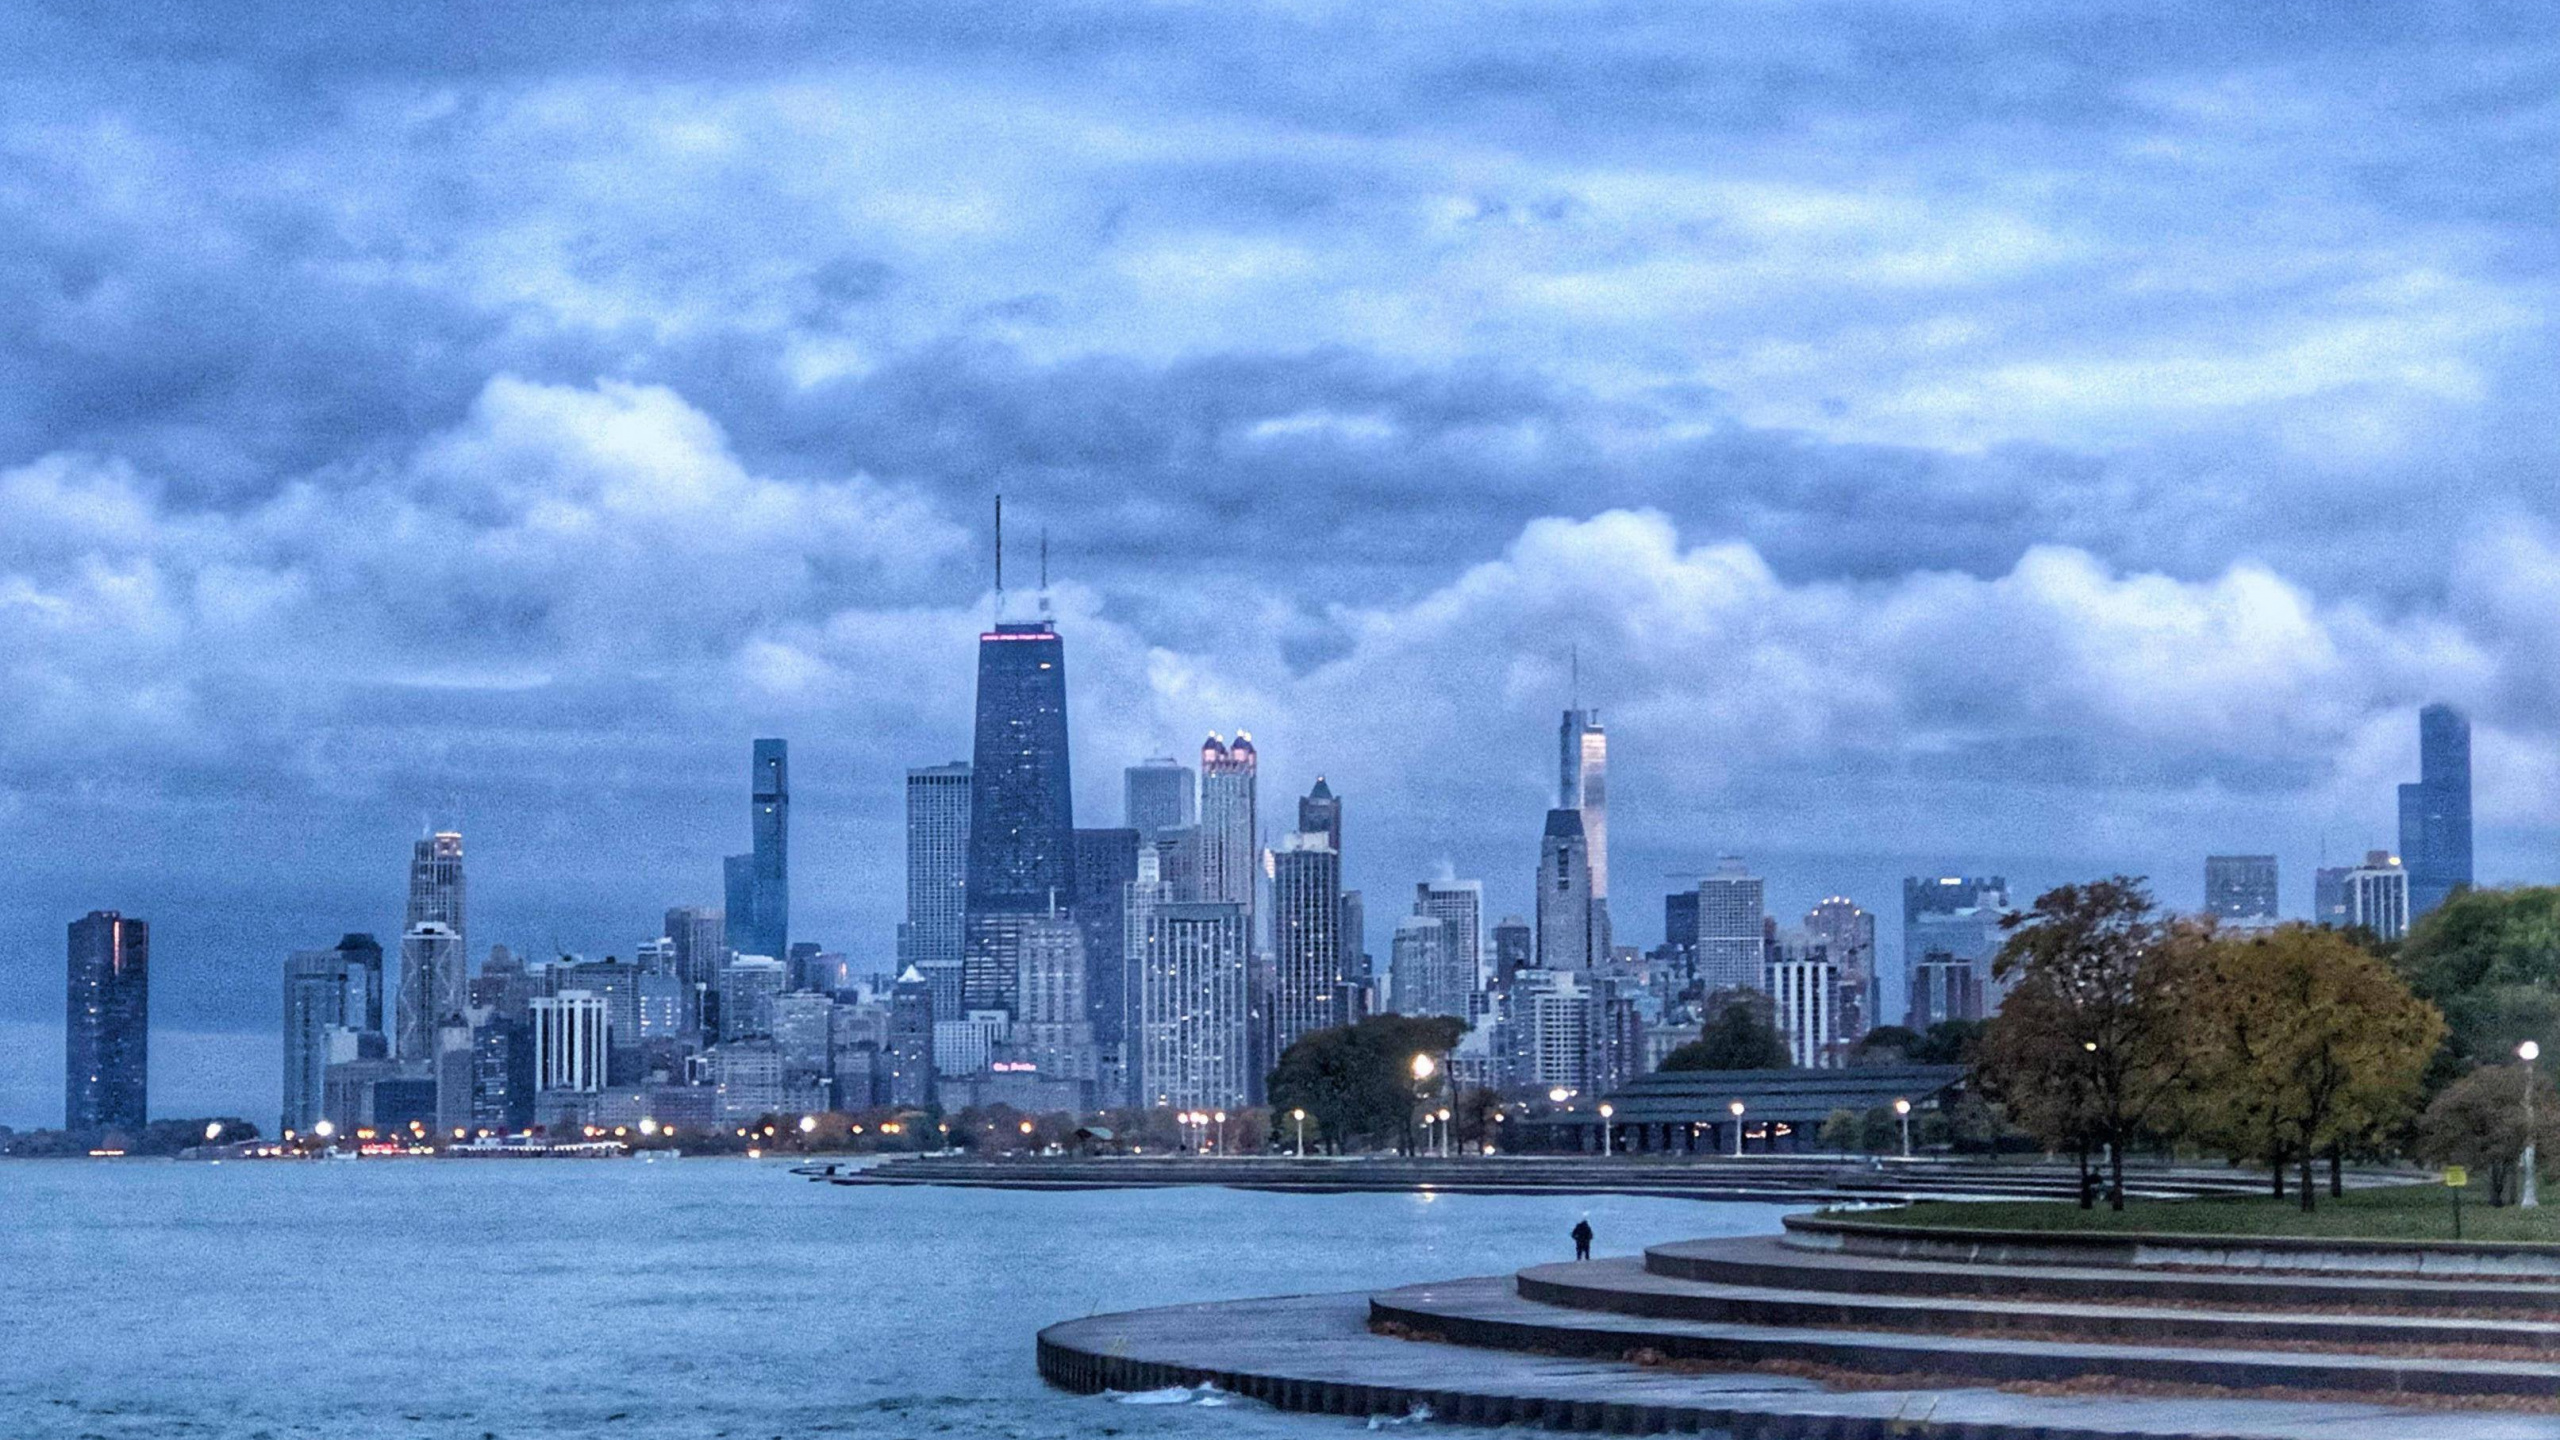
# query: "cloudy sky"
(1955, 435)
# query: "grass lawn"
(2415, 1212)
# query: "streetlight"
(2531, 1198)
(1559, 1095)
(324, 1129)
(1222, 1133)
(212, 1131)
(1736, 1108)
(808, 1123)
(1444, 1132)
(1902, 1108)
(1301, 1117)
(1606, 1110)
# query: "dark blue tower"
(106, 1033)
(1021, 809)
(769, 885)
(2435, 812)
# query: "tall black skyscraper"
(1021, 808)
(756, 886)
(1106, 863)
(2435, 813)
(106, 1037)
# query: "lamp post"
(2530, 1197)
(1736, 1108)
(1423, 1069)
(1902, 1111)
(1301, 1117)
(1606, 1110)
(1222, 1134)
(1444, 1132)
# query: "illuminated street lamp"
(1736, 1108)
(808, 1123)
(1222, 1132)
(2531, 1198)
(1444, 1132)
(1559, 1095)
(212, 1131)
(1606, 1110)
(324, 1129)
(1301, 1117)
(1902, 1110)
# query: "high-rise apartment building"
(749, 984)
(1733, 927)
(1582, 783)
(1195, 1029)
(331, 998)
(434, 983)
(1230, 851)
(2240, 889)
(1461, 903)
(2379, 895)
(1052, 1025)
(1159, 795)
(1426, 973)
(937, 869)
(1804, 989)
(2435, 812)
(106, 1030)
(766, 928)
(1565, 918)
(1306, 934)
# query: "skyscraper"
(937, 869)
(323, 1000)
(1950, 934)
(911, 1040)
(1052, 1013)
(1106, 861)
(1515, 948)
(1158, 795)
(2240, 888)
(1582, 783)
(2379, 895)
(1461, 903)
(1022, 854)
(106, 1033)
(1230, 857)
(1195, 1028)
(434, 983)
(1564, 894)
(1320, 813)
(1847, 931)
(767, 926)
(700, 937)
(1306, 934)
(1021, 806)
(2435, 812)
(1733, 928)
(1803, 986)
(435, 883)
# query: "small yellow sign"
(2456, 1177)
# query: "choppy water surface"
(698, 1298)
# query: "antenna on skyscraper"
(1044, 569)
(999, 555)
(1577, 675)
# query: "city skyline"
(2091, 471)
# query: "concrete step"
(1766, 1262)
(1491, 1313)
(1625, 1287)
(1316, 1354)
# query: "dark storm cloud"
(2083, 432)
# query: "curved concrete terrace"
(2474, 1259)
(1753, 1337)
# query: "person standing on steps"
(1582, 1238)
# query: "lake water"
(697, 1298)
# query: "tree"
(1356, 1081)
(1843, 1131)
(2094, 958)
(1949, 1042)
(2299, 1043)
(2490, 960)
(2479, 1122)
(1738, 1036)
(2033, 1062)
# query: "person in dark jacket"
(1582, 1238)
